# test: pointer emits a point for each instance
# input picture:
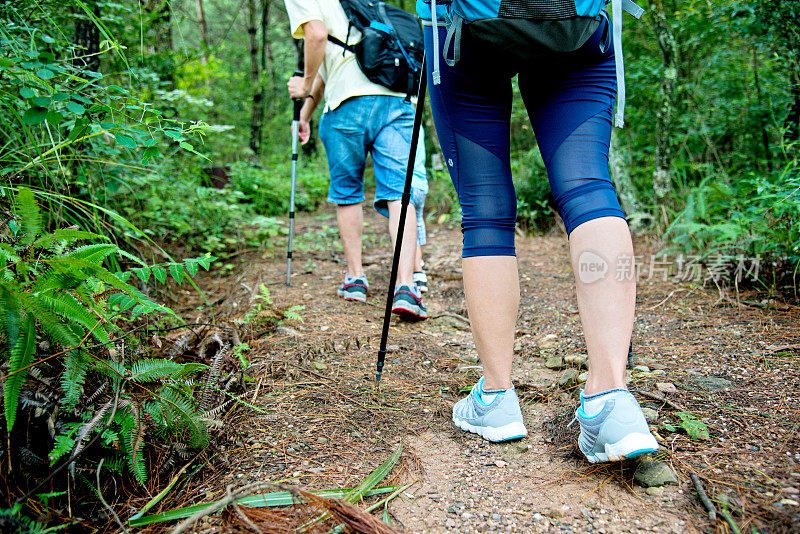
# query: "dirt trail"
(324, 426)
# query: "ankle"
(600, 384)
(495, 384)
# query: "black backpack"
(391, 50)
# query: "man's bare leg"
(350, 218)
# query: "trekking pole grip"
(298, 102)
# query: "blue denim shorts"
(418, 201)
(376, 124)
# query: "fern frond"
(87, 428)
(65, 335)
(135, 461)
(182, 414)
(55, 278)
(75, 367)
(10, 312)
(67, 306)
(65, 236)
(64, 443)
(152, 369)
(22, 350)
(137, 436)
(28, 212)
(94, 254)
(155, 369)
(8, 253)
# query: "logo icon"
(591, 267)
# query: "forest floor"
(731, 361)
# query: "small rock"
(523, 447)
(642, 368)
(548, 341)
(497, 517)
(655, 491)
(554, 362)
(789, 502)
(791, 491)
(652, 474)
(650, 414)
(712, 383)
(666, 387)
(308, 296)
(450, 523)
(567, 378)
(579, 360)
(517, 347)
(325, 328)
(322, 439)
(583, 377)
(500, 463)
(556, 513)
(320, 366)
(658, 372)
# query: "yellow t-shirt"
(341, 73)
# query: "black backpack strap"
(339, 42)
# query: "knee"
(591, 200)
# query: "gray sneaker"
(354, 288)
(500, 420)
(619, 431)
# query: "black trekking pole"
(298, 104)
(405, 199)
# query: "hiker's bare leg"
(350, 218)
(418, 259)
(493, 314)
(407, 252)
(606, 306)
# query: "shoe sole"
(515, 430)
(409, 312)
(352, 296)
(630, 446)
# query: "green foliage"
(12, 520)
(262, 312)
(755, 216)
(533, 191)
(54, 286)
(693, 426)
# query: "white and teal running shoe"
(497, 420)
(617, 431)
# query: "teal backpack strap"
(437, 73)
(617, 6)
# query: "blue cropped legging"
(569, 98)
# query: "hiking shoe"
(354, 288)
(617, 432)
(421, 281)
(408, 304)
(499, 420)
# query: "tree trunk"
(266, 67)
(201, 18)
(762, 116)
(87, 38)
(662, 174)
(255, 112)
(618, 161)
